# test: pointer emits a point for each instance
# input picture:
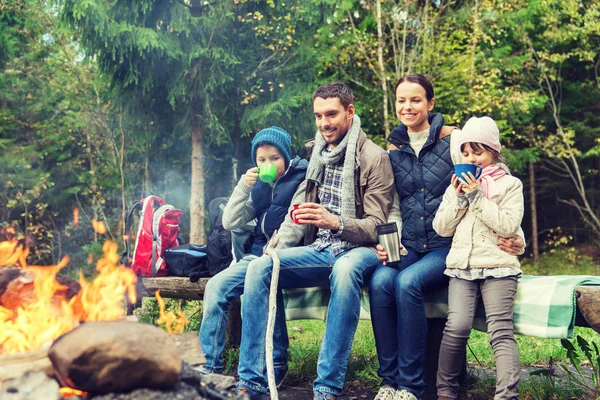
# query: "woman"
(420, 154)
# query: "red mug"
(291, 213)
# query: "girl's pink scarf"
(486, 180)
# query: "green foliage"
(591, 384)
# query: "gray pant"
(498, 296)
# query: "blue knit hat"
(277, 137)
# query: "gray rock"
(32, 385)
(115, 357)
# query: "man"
(347, 192)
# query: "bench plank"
(174, 287)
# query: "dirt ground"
(306, 393)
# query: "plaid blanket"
(545, 306)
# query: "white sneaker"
(404, 395)
(385, 393)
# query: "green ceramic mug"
(267, 172)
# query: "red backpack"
(158, 230)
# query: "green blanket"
(545, 306)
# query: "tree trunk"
(384, 87)
(197, 187)
(147, 166)
(236, 151)
(122, 171)
(534, 225)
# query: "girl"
(477, 212)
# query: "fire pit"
(57, 332)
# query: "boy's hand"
(456, 184)
(469, 183)
(251, 176)
(317, 215)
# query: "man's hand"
(512, 245)
(251, 176)
(317, 215)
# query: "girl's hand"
(512, 245)
(251, 176)
(381, 253)
(469, 183)
(456, 184)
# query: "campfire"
(37, 308)
(50, 327)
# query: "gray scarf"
(346, 150)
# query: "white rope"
(271, 317)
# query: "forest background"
(105, 102)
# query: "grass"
(305, 341)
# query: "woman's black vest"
(421, 181)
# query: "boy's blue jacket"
(272, 203)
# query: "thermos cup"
(388, 238)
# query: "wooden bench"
(588, 315)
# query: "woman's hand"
(512, 245)
(469, 183)
(456, 184)
(251, 176)
(381, 253)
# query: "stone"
(32, 385)
(116, 356)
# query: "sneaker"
(253, 394)
(280, 374)
(324, 396)
(385, 393)
(404, 395)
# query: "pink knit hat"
(481, 130)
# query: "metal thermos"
(388, 238)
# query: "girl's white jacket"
(476, 228)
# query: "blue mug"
(475, 170)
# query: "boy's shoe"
(324, 396)
(280, 374)
(404, 395)
(253, 394)
(386, 393)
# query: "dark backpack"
(188, 260)
(219, 246)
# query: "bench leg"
(435, 331)
(139, 288)
(234, 323)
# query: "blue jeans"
(396, 296)
(220, 290)
(302, 267)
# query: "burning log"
(15, 365)
(17, 287)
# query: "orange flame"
(98, 226)
(67, 392)
(12, 253)
(47, 314)
(172, 323)
(76, 216)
